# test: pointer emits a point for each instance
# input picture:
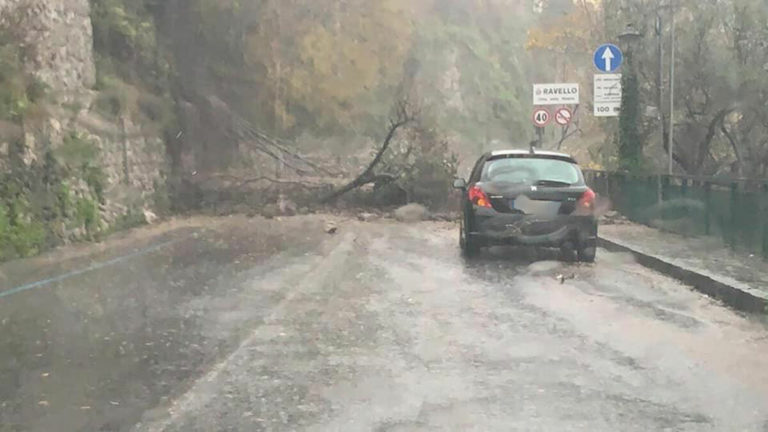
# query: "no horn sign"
(563, 116)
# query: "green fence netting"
(734, 210)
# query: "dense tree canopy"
(333, 68)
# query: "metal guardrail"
(736, 210)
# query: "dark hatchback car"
(530, 198)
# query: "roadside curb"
(730, 295)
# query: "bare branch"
(250, 131)
(566, 133)
(257, 146)
(704, 144)
(246, 181)
(734, 145)
(404, 113)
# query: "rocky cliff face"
(128, 157)
(58, 41)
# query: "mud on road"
(248, 324)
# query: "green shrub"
(64, 200)
(35, 90)
(80, 157)
(77, 151)
(87, 215)
(125, 41)
(28, 238)
(95, 179)
(425, 167)
(19, 240)
(6, 248)
(161, 198)
(132, 219)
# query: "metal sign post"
(541, 118)
(539, 141)
(672, 94)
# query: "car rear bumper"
(495, 228)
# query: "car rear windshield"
(548, 172)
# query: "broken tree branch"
(246, 181)
(735, 146)
(704, 144)
(566, 132)
(404, 114)
(247, 130)
(277, 157)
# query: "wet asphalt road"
(257, 325)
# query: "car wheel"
(568, 252)
(588, 254)
(469, 245)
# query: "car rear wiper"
(553, 183)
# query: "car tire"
(471, 248)
(588, 254)
(469, 245)
(568, 252)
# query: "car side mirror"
(460, 183)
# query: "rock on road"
(274, 325)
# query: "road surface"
(246, 324)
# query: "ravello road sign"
(555, 94)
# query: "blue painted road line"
(94, 267)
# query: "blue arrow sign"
(608, 58)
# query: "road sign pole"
(540, 137)
(672, 93)
(660, 77)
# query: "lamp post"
(630, 148)
(659, 25)
(628, 37)
(670, 133)
(672, 88)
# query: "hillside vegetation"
(235, 86)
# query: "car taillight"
(478, 197)
(587, 200)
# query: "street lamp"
(630, 35)
(670, 138)
(630, 148)
(672, 89)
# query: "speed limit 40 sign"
(541, 117)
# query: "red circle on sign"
(563, 116)
(541, 117)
